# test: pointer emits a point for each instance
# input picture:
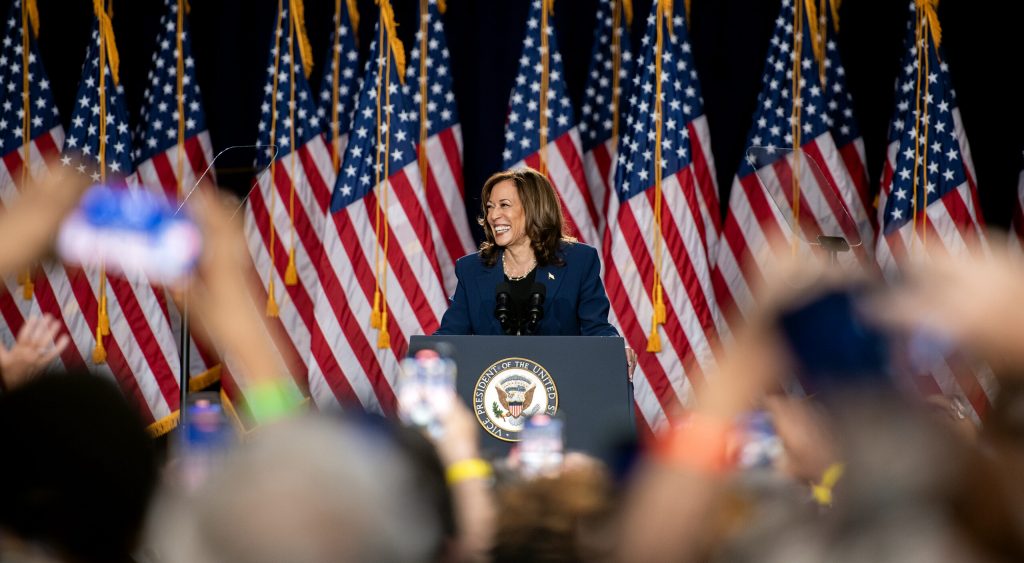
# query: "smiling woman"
(547, 282)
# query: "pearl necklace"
(516, 278)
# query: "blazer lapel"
(487, 282)
(489, 279)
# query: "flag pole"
(184, 340)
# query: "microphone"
(503, 307)
(534, 308)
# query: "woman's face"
(506, 216)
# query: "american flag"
(439, 137)
(604, 107)
(140, 349)
(161, 166)
(829, 138)
(929, 200)
(42, 137)
(286, 213)
(540, 131)
(662, 234)
(339, 81)
(379, 262)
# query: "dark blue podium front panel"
(581, 379)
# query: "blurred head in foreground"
(306, 490)
(78, 469)
(566, 517)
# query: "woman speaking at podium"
(529, 277)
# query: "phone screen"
(541, 446)
(426, 389)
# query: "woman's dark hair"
(544, 223)
(78, 467)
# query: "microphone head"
(537, 293)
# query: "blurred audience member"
(568, 517)
(306, 490)
(78, 470)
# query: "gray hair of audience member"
(310, 491)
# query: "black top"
(520, 294)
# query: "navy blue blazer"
(575, 303)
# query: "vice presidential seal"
(509, 392)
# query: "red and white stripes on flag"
(347, 367)
(667, 381)
(379, 261)
(835, 202)
(929, 204)
(660, 236)
(303, 174)
(541, 132)
(439, 140)
(605, 104)
(159, 173)
(14, 307)
(117, 326)
(286, 212)
(564, 167)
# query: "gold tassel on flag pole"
(180, 90)
(547, 9)
(353, 18)
(298, 29)
(272, 310)
(393, 49)
(795, 120)
(108, 55)
(926, 24)
(421, 154)
(619, 9)
(383, 336)
(335, 77)
(375, 316)
(663, 18)
(296, 34)
(29, 17)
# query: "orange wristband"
(702, 444)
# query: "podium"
(580, 379)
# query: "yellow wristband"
(823, 491)
(464, 470)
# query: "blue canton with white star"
(306, 123)
(522, 130)
(158, 130)
(360, 169)
(596, 120)
(82, 144)
(441, 111)
(348, 77)
(944, 170)
(681, 102)
(839, 102)
(42, 111)
(820, 108)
